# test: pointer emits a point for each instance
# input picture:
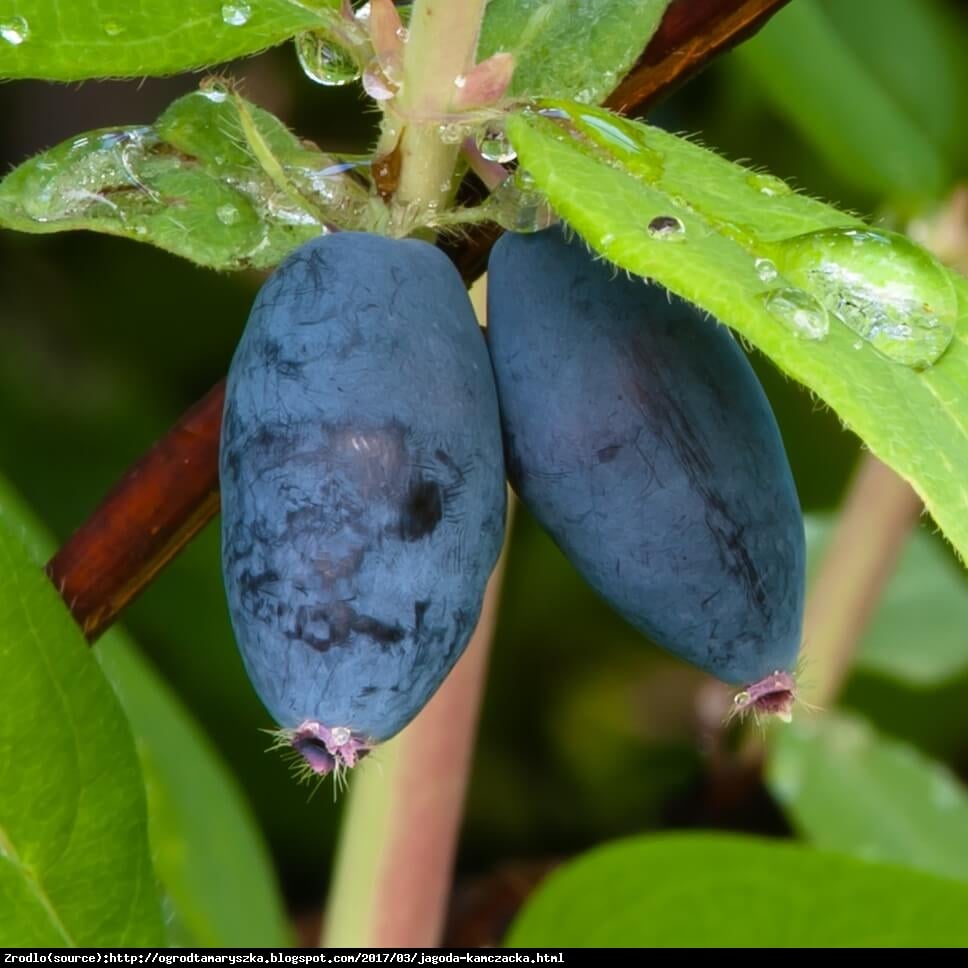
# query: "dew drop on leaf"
(667, 228)
(766, 270)
(227, 214)
(112, 28)
(881, 285)
(15, 31)
(236, 14)
(768, 185)
(798, 311)
(325, 62)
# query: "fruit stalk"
(441, 48)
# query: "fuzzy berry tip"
(773, 695)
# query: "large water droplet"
(15, 31)
(325, 62)
(667, 228)
(517, 206)
(881, 285)
(236, 14)
(798, 311)
(493, 144)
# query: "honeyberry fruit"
(638, 435)
(363, 489)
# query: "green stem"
(441, 47)
(392, 881)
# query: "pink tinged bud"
(386, 31)
(485, 84)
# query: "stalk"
(441, 47)
(873, 527)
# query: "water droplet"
(768, 185)
(766, 270)
(340, 735)
(556, 114)
(451, 134)
(460, 80)
(858, 344)
(113, 29)
(377, 84)
(325, 62)
(667, 228)
(15, 31)
(363, 14)
(236, 14)
(881, 285)
(494, 145)
(800, 313)
(214, 95)
(227, 214)
(403, 35)
(518, 207)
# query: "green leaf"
(848, 789)
(69, 40)
(703, 891)
(569, 48)
(207, 850)
(74, 861)
(918, 633)
(872, 84)
(216, 180)
(746, 240)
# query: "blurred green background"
(587, 732)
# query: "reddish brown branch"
(159, 505)
(691, 34)
(172, 492)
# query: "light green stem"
(441, 47)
